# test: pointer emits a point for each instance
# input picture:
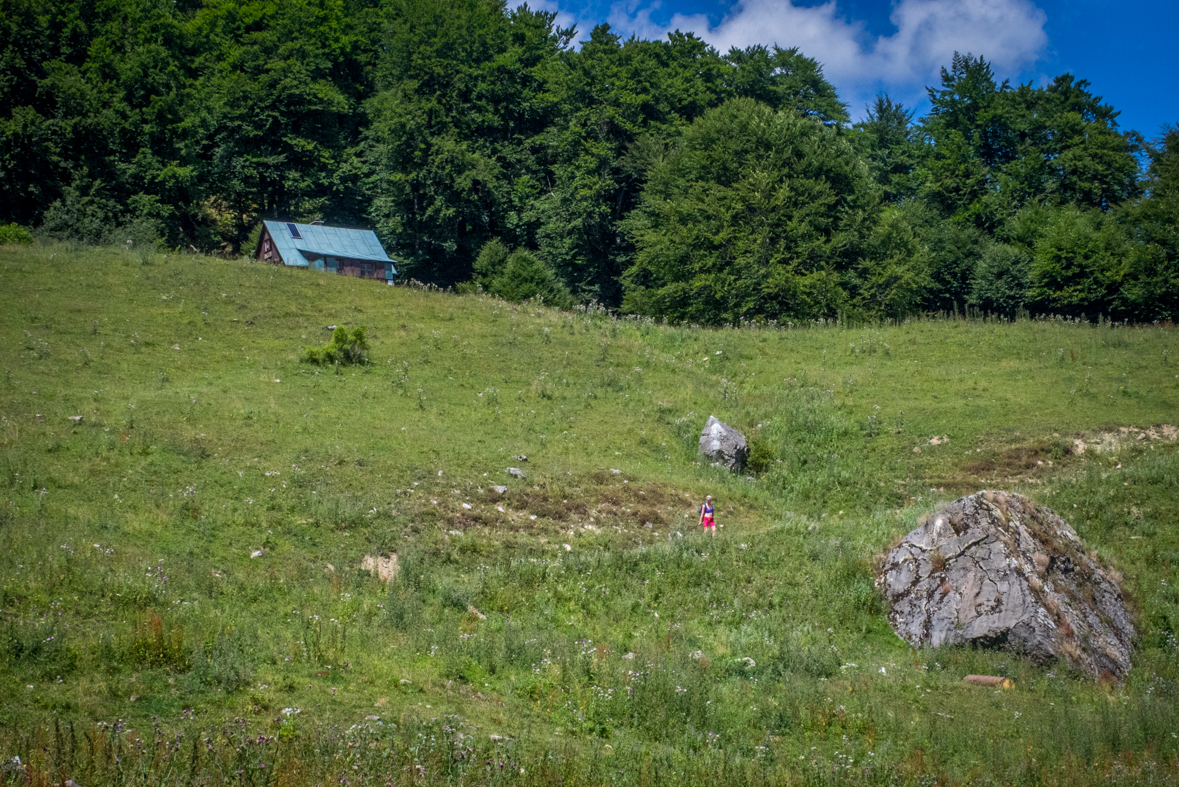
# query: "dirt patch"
(1024, 463)
(1021, 460)
(1116, 439)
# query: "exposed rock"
(500, 490)
(723, 444)
(996, 570)
(384, 568)
(256, 553)
(516, 472)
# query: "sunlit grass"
(128, 588)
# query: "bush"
(761, 455)
(14, 233)
(518, 276)
(345, 349)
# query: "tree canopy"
(601, 161)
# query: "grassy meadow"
(186, 506)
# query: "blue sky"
(1128, 50)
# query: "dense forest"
(490, 147)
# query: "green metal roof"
(295, 242)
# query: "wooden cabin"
(335, 249)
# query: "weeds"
(345, 349)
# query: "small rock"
(500, 490)
(385, 568)
(516, 472)
(256, 553)
(475, 612)
(76, 419)
(628, 655)
(371, 717)
(520, 458)
(467, 506)
(175, 346)
(615, 472)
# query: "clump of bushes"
(519, 276)
(346, 349)
(14, 233)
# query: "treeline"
(489, 146)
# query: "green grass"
(128, 591)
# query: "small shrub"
(345, 349)
(937, 562)
(761, 455)
(14, 233)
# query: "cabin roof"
(295, 242)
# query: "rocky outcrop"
(722, 444)
(996, 570)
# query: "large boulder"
(996, 570)
(721, 443)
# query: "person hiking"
(706, 518)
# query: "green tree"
(895, 273)
(617, 102)
(1153, 277)
(1078, 265)
(891, 146)
(756, 214)
(524, 277)
(281, 85)
(447, 155)
(784, 79)
(1001, 279)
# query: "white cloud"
(1008, 33)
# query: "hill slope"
(580, 612)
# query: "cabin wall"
(362, 269)
(267, 252)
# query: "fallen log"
(989, 680)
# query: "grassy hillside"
(157, 429)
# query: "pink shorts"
(708, 522)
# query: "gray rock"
(500, 490)
(517, 472)
(723, 444)
(996, 570)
